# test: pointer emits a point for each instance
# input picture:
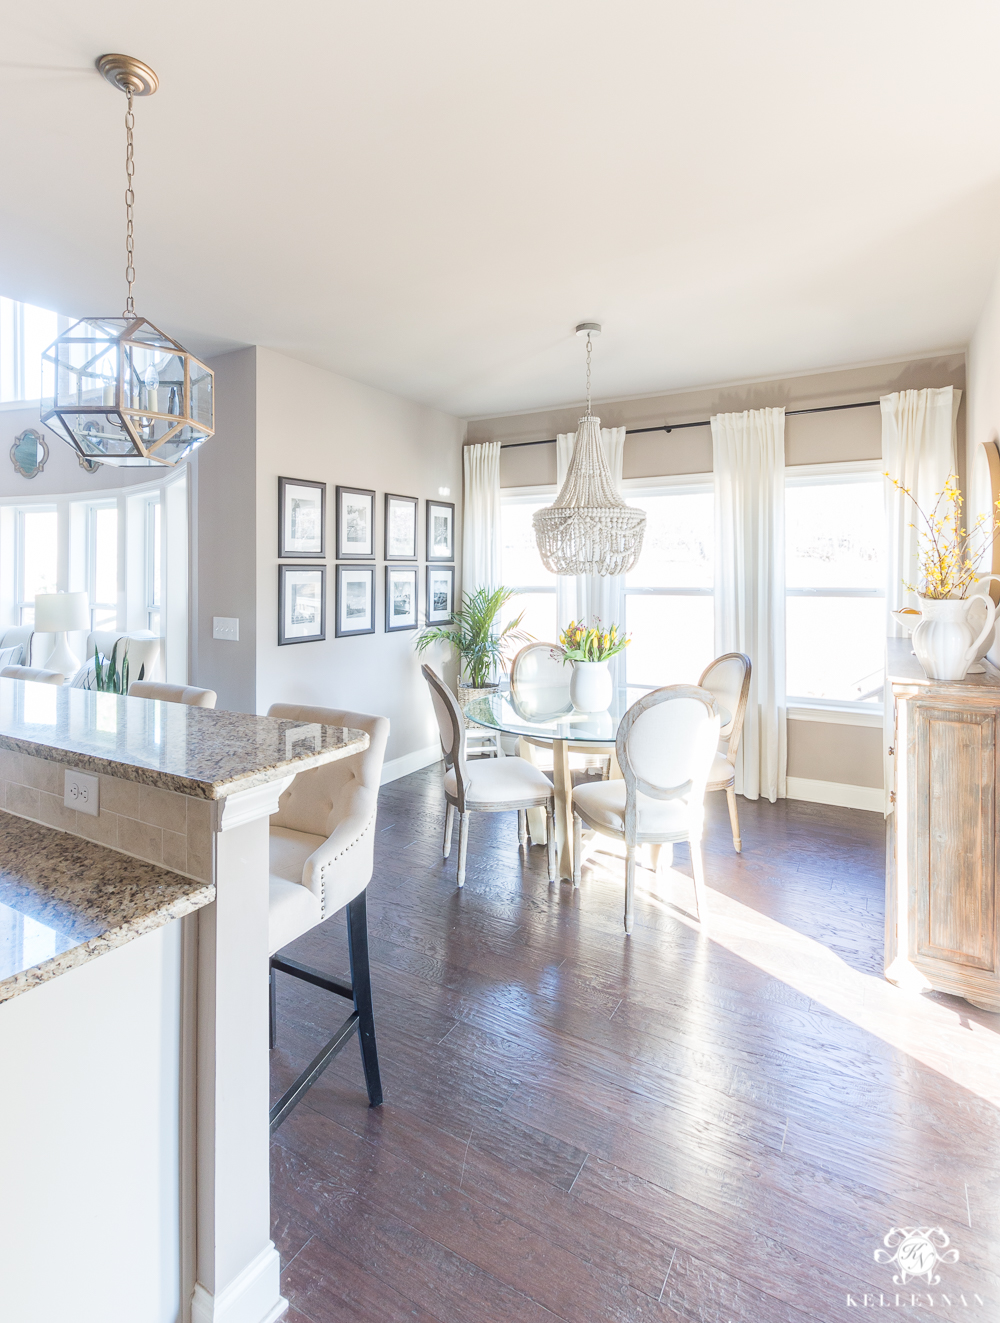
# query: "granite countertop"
(902, 667)
(195, 751)
(64, 901)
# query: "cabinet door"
(953, 761)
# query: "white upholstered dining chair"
(488, 786)
(728, 679)
(32, 673)
(322, 859)
(665, 746)
(172, 693)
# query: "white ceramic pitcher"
(944, 641)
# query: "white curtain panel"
(481, 517)
(749, 474)
(593, 597)
(920, 449)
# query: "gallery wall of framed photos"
(302, 536)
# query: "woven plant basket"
(467, 694)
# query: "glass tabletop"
(548, 715)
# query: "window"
(522, 568)
(669, 609)
(25, 331)
(102, 565)
(834, 580)
(153, 564)
(37, 549)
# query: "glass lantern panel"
(98, 435)
(201, 394)
(81, 367)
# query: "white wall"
(223, 540)
(316, 425)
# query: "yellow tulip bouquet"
(950, 556)
(585, 643)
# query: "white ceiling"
(429, 196)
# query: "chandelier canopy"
(589, 529)
(117, 389)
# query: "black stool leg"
(273, 1006)
(357, 941)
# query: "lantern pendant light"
(117, 389)
(589, 529)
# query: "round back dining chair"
(665, 746)
(322, 855)
(172, 693)
(32, 673)
(728, 678)
(493, 786)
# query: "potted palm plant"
(483, 648)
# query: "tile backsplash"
(157, 825)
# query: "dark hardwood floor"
(716, 1126)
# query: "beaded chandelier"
(117, 389)
(589, 529)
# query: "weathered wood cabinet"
(942, 902)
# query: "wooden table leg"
(564, 810)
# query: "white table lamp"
(58, 614)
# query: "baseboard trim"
(410, 762)
(252, 1297)
(835, 792)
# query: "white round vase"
(944, 642)
(590, 687)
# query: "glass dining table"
(545, 716)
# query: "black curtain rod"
(705, 422)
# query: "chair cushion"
(602, 806)
(722, 774)
(499, 781)
(292, 908)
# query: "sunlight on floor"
(924, 1029)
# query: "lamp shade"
(59, 612)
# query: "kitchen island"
(133, 1005)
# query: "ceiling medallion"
(589, 529)
(117, 389)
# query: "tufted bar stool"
(322, 857)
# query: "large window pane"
(672, 638)
(104, 580)
(519, 552)
(39, 537)
(835, 648)
(835, 534)
(539, 614)
(677, 547)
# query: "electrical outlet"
(226, 627)
(82, 792)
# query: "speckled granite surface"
(192, 750)
(64, 901)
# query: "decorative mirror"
(89, 465)
(992, 453)
(29, 453)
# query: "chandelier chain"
(588, 373)
(129, 207)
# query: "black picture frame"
(344, 604)
(392, 505)
(436, 616)
(349, 546)
(434, 512)
(400, 572)
(287, 601)
(287, 516)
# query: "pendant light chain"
(129, 205)
(588, 373)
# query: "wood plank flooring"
(717, 1125)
